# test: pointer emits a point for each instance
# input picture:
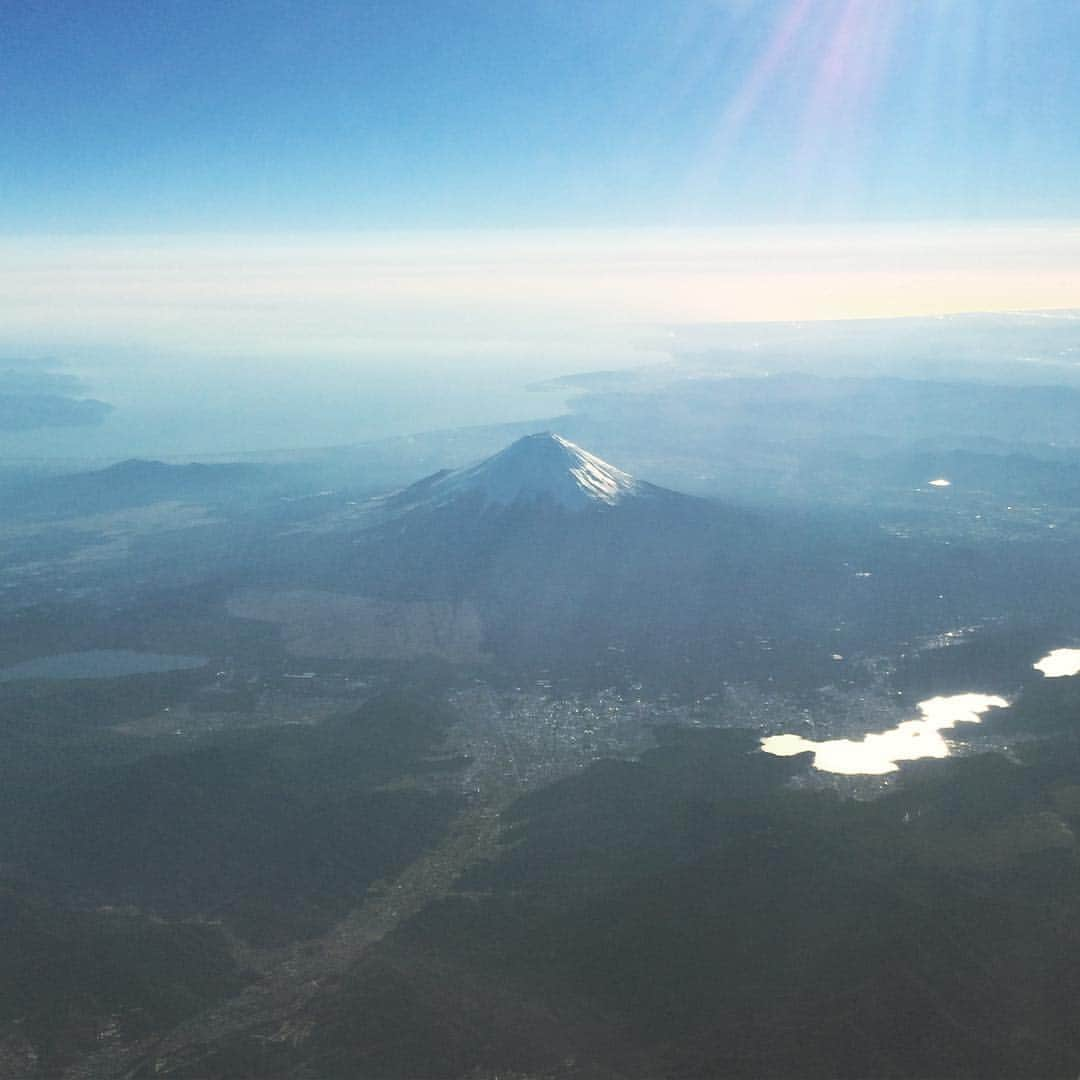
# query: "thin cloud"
(489, 291)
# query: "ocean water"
(192, 408)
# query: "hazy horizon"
(225, 221)
(205, 345)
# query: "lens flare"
(813, 86)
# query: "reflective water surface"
(879, 753)
(1059, 663)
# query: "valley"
(494, 731)
(539, 540)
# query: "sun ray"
(783, 42)
(815, 82)
(847, 82)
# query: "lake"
(876, 754)
(99, 664)
(1059, 664)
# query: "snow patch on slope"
(539, 467)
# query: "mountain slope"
(135, 483)
(571, 563)
(538, 468)
(542, 509)
(567, 564)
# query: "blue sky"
(201, 200)
(272, 116)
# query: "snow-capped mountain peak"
(539, 467)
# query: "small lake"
(99, 664)
(1059, 664)
(876, 754)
